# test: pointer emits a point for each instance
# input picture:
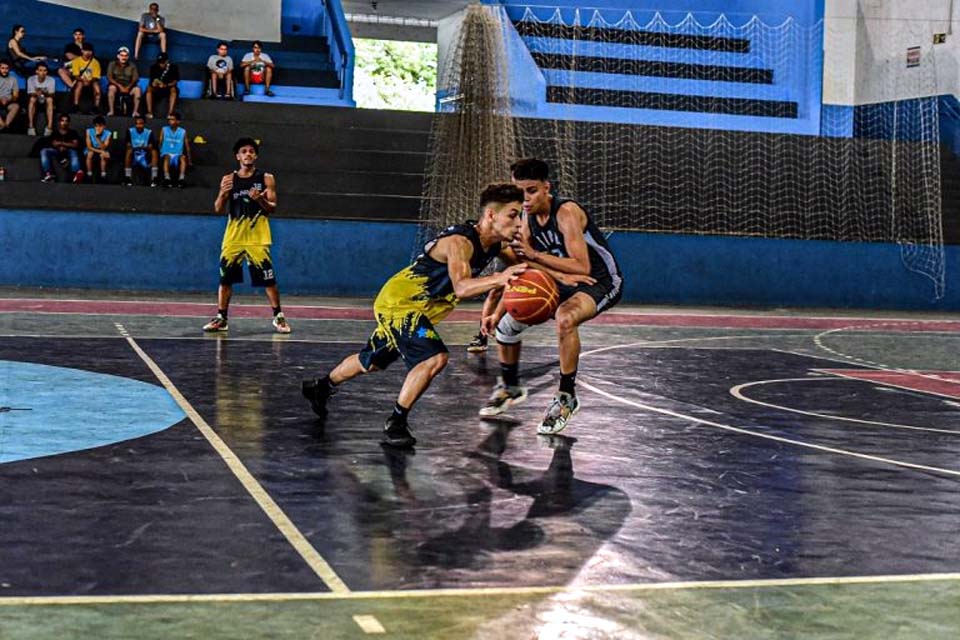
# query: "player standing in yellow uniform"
(249, 196)
(421, 295)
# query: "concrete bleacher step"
(193, 200)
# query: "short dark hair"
(174, 114)
(222, 44)
(100, 120)
(257, 43)
(87, 47)
(500, 193)
(139, 116)
(80, 31)
(42, 64)
(530, 169)
(16, 28)
(246, 142)
(5, 61)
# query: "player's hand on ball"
(510, 273)
(573, 279)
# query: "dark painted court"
(709, 448)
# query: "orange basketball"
(532, 297)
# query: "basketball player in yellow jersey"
(421, 295)
(249, 196)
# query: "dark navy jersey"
(548, 238)
(437, 283)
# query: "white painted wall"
(221, 19)
(865, 50)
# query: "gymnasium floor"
(730, 475)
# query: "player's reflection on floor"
(564, 511)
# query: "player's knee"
(509, 331)
(439, 362)
(566, 322)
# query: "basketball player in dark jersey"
(557, 235)
(249, 196)
(418, 297)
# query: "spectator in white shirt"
(220, 69)
(257, 69)
(40, 88)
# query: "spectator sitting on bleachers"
(164, 76)
(257, 69)
(9, 94)
(71, 52)
(98, 145)
(141, 152)
(62, 145)
(174, 150)
(220, 70)
(123, 78)
(40, 88)
(21, 61)
(152, 24)
(86, 72)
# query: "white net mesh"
(735, 158)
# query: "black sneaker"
(167, 183)
(318, 391)
(478, 344)
(127, 181)
(154, 182)
(396, 433)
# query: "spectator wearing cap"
(86, 73)
(152, 25)
(257, 68)
(70, 53)
(220, 70)
(164, 76)
(123, 78)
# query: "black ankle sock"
(568, 383)
(510, 374)
(276, 310)
(222, 313)
(400, 412)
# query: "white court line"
(369, 624)
(410, 594)
(273, 511)
(765, 436)
(737, 392)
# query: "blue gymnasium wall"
(797, 68)
(171, 252)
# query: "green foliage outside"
(395, 75)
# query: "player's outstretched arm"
(456, 251)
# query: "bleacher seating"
(330, 162)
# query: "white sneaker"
(563, 407)
(502, 398)
(280, 324)
(31, 131)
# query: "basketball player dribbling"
(418, 297)
(558, 235)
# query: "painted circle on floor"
(47, 410)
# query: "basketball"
(532, 297)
